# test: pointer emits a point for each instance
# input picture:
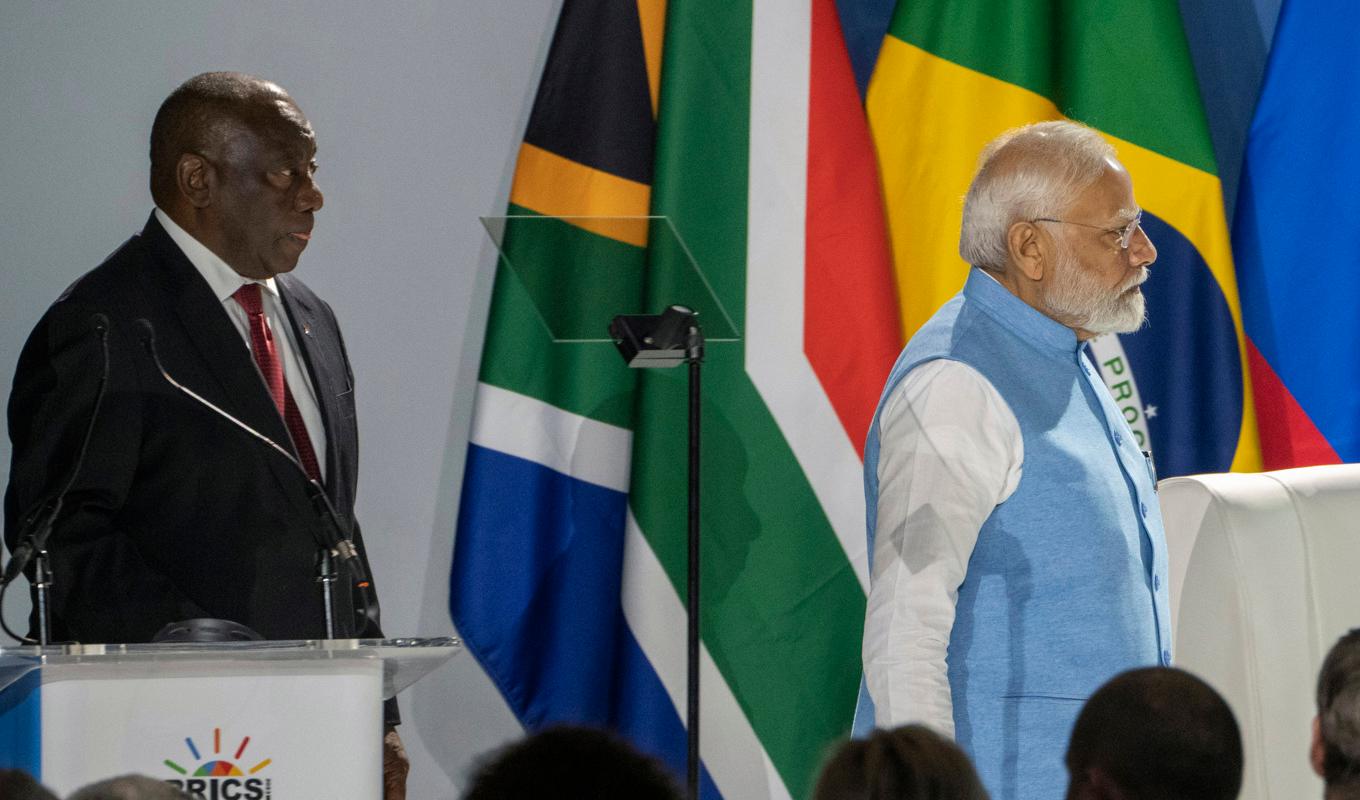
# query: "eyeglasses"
(1125, 233)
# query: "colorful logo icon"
(218, 767)
(221, 775)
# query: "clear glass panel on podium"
(404, 661)
(579, 272)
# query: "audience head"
(907, 763)
(129, 787)
(1336, 729)
(1157, 732)
(571, 762)
(15, 784)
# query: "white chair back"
(1264, 572)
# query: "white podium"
(224, 721)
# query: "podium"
(224, 721)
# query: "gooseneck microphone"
(341, 543)
(38, 525)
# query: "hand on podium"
(395, 766)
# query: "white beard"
(1076, 299)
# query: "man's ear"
(1317, 752)
(1023, 246)
(195, 179)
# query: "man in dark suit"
(175, 513)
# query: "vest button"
(1166, 658)
(1156, 582)
(1142, 508)
(1118, 440)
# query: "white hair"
(1023, 174)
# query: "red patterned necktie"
(271, 367)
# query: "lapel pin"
(307, 328)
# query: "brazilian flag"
(952, 74)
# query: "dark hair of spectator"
(907, 763)
(15, 784)
(1159, 732)
(1338, 706)
(571, 762)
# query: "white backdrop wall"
(418, 108)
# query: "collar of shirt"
(222, 278)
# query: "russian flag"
(1294, 238)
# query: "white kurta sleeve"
(950, 452)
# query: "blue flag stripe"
(541, 536)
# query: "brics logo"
(218, 777)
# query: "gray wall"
(418, 108)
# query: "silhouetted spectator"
(571, 762)
(1157, 732)
(1336, 728)
(129, 787)
(15, 784)
(907, 763)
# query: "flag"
(740, 123)
(953, 74)
(1297, 260)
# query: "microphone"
(33, 538)
(342, 545)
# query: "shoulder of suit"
(116, 273)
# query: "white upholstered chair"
(1265, 576)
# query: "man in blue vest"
(1016, 547)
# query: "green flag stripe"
(1123, 68)
(586, 379)
(702, 136)
(783, 608)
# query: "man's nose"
(1142, 252)
(309, 198)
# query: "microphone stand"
(337, 544)
(668, 340)
(42, 585)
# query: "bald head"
(204, 115)
(233, 164)
(1024, 174)
(1156, 732)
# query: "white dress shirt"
(951, 451)
(224, 282)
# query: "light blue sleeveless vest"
(1067, 585)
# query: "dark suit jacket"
(176, 513)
